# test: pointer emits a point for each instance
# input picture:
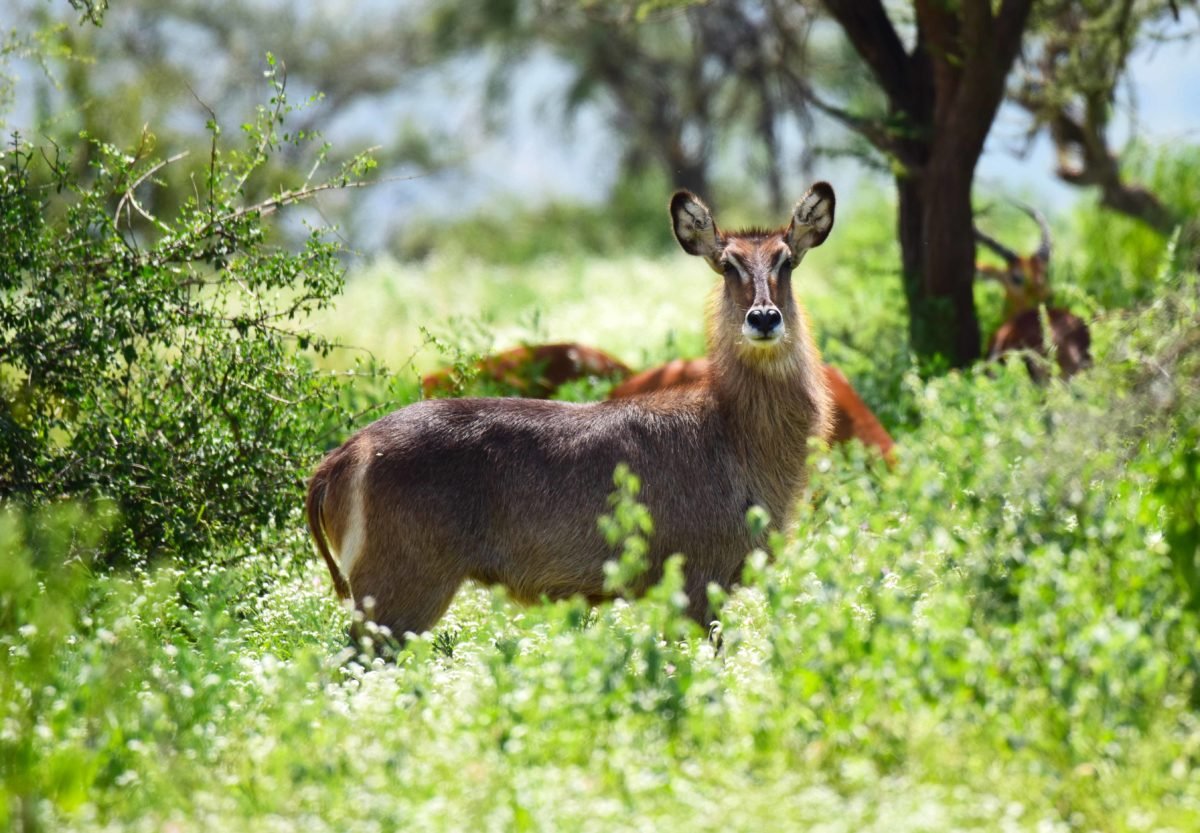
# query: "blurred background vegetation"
(197, 299)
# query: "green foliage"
(627, 530)
(992, 636)
(105, 673)
(159, 361)
(90, 10)
(1170, 458)
(1116, 260)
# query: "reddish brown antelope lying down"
(508, 491)
(535, 370)
(852, 418)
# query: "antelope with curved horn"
(1023, 277)
(508, 491)
(1025, 280)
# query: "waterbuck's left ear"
(695, 228)
(812, 218)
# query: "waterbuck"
(508, 491)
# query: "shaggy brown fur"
(853, 419)
(507, 491)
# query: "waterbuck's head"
(756, 313)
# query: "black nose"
(764, 320)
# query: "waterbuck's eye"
(731, 270)
(783, 264)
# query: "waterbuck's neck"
(784, 393)
(772, 403)
(767, 381)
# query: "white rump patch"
(356, 527)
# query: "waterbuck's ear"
(812, 218)
(695, 228)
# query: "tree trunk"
(937, 253)
(947, 324)
(942, 97)
(910, 217)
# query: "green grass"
(637, 307)
(1000, 634)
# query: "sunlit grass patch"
(630, 306)
(642, 309)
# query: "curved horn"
(996, 246)
(1044, 246)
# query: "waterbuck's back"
(509, 491)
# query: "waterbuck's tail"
(314, 503)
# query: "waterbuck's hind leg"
(397, 589)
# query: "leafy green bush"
(159, 361)
(1115, 259)
(107, 671)
(1168, 461)
(996, 635)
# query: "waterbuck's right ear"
(695, 228)
(812, 218)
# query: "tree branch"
(1084, 159)
(874, 131)
(874, 38)
(988, 50)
